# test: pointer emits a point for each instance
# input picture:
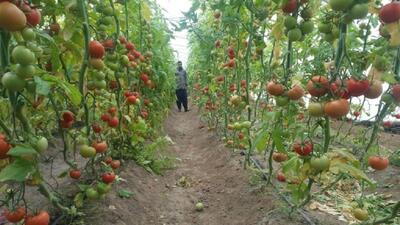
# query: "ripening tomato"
(320, 164)
(15, 216)
(279, 157)
(295, 93)
(75, 174)
(11, 17)
(87, 151)
(113, 84)
(100, 147)
(217, 14)
(316, 109)
(243, 84)
(290, 6)
(55, 28)
(122, 39)
(131, 100)
(378, 162)
(43, 218)
(375, 89)
(96, 49)
(146, 102)
(356, 114)
(275, 89)
(318, 86)
(108, 177)
(396, 92)
(390, 13)
(115, 164)
(108, 44)
(112, 110)
(337, 108)
(357, 87)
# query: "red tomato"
(15, 216)
(144, 114)
(75, 174)
(113, 84)
(144, 77)
(33, 17)
(105, 117)
(129, 46)
(304, 149)
(387, 124)
(43, 218)
(108, 177)
(390, 13)
(295, 93)
(113, 122)
(356, 114)
(290, 7)
(66, 125)
(4, 148)
(108, 160)
(243, 84)
(357, 87)
(96, 50)
(146, 102)
(280, 177)
(96, 128)
(378, 162)
(68, 116)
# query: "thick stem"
(395, 211)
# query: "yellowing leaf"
(146, 12)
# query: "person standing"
(181, 88)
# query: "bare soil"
(206, 172)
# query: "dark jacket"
(181, 79)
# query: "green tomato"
(282, 101)
(359, 11)
(306, 13)
(12, 82)
(25, 71)
(320, 164)
(387, 98)
(199, 206)
(31, 87)
(99, 75)
(91, 194)
(108, 11)
(294, 34)
(87, 151)
(325, 28)
(246, 124)
(307, 27)
(290, 22)
(340, 5)
(329, 37)
(125, 60)
(28, 34)
(100, 84)
(103, 188)
(316, 109)
(42, 145)
(23, 55)
(360, 214)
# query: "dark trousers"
(181, 95)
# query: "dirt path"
(205, 172)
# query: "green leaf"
(83, 187)
(22, 150)
(42, 87)
(278, 140)
(292, 164)
(123, 193)
(71, 91)
(261, 140)
(18, 170)
(63, 174)
(389, 77)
